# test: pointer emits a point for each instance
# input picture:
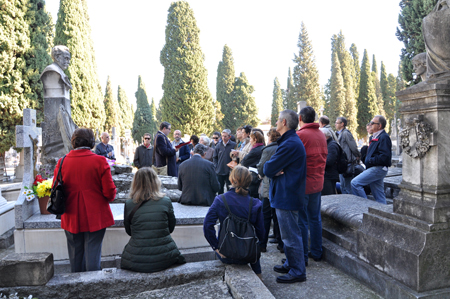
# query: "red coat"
(316, 156)
(89, 188)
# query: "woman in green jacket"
(151, 248)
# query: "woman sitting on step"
(149, 220)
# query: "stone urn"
(43, 205)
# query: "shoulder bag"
(57, 202)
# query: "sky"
(129, 35)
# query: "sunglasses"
(215, 137)
(146, 138)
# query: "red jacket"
(316, 156)
(89, 188)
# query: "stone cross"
(29, 138)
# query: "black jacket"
(331, 171)
(251, 160)
(103, 150)
(222, 157)
(143, 156)
(165, 154)
(379, 152)
(198, 182)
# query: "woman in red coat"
(88, 188)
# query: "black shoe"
(284, 261)
(290, 279)
(272, 236)
(263, 249)
(273, 241)
(315, 259)
(280, 248)
(281, 269)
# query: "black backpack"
(342, 161)
(237, 239)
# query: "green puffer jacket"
(151, 248)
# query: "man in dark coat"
(287, 171)
(221, 158)
(104, 149)
(164, 153)
(197, 179)
(143, 156)
(378, 159)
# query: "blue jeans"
(292, 239)
(374, 177)
(310, 216)
(346, 187)
(256, 267)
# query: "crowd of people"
(280, 182)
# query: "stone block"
(243, 283)
(27, 269)
(123, 169)
(169, 182)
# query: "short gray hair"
(228, 131)
(200, 149)
(206, 140)
(326, 132)
(291, 118)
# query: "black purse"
(57, 203)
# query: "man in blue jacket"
(287, 169)
(378, 159)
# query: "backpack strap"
(226, 204)
(229, 211)
(136, 207)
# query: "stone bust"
(56, 83)
(419, 63)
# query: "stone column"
(412, 243)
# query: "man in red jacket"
(316, 158)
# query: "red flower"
(38, 179)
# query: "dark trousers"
(329, 187)
(85, 250)
(269, 215)
(223, 181)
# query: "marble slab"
(394, 171)
(185, 215)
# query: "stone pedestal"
(411, 244)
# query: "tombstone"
(301, 105)
(19, 170)
(412, 243)
(58, 126)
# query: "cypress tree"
(337, 91)
(38, 57)
(357, 67)
(306, 76)
(187, 102)
(388, 103)
(111, 110)
(410, 32)
(125, 111)
(225, 87)
(154, 126)
(290, 102)
(367, 100)
(73, 30)
(326, 98)
(14, 46)
(348, 75)
(218, 124)
(247, 115)
(277, 102)
(376, 84)
(142, 122)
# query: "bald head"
(105, 137)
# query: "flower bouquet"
(111, 162)
(42, 189)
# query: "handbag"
(232, 164)
(353, 168)
(57, 202)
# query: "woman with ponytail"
(238, 200)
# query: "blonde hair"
(145, 186)
(240, 179)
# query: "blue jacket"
(103, 150)
(239, 206)
(287, 191)
(184, 153)
(379, 152)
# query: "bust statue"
(56, 83)
(436, 30)
(420, 65)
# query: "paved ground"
(323, 281)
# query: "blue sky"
(129, 35)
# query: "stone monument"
(58, 125)
(411, 244)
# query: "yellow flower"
(44, 188)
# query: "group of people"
(283, 179)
